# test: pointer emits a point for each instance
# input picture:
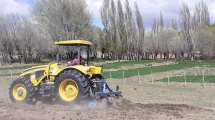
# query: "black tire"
(30, 91)
(98, 84)
(79, 78)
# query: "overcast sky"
(149, 8)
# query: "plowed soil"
(140, 102)
(123, 110)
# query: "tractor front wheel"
(21, 91)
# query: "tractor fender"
(82, 69)
(85, 70)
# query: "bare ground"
(142, 100)
(123, 110)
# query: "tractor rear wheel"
(71, 86)
(21, 90)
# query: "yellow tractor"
(63, 82)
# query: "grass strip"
(156, 69)
(192, 79)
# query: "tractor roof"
(73, 43)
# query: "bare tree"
(201, 19)
(63, 19)
(174, 24)
(141, 31)
(20, 41)
(201, 15)
(106, 44)
(6, 46)
(186, 28)
(123, 29)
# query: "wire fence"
(184, 78)
(164, 89)
(200, 77)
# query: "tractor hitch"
(106, 91)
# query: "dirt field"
(141, 101)
(121, 111)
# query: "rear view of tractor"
(62, 82)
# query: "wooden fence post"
(123, 75)
(203, 79)
(139, 80)
(110, 76)
(11, 75)
(168, 79)
(185, 80)
(152, 78)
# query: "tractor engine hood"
(32, 70)
(55, 69)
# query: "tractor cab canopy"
(80, 45)
(74, 43)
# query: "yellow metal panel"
(73, 42)
(32, 71)
(54, 69)
(37, 82)
(87, 70)
(83, 69)
(33, 68)
(33, 79)
(95, 70)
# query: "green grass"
(21, 66)
(156, 69)
(14, 72)
(193, 79)
(125, 63)
(16, 69)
